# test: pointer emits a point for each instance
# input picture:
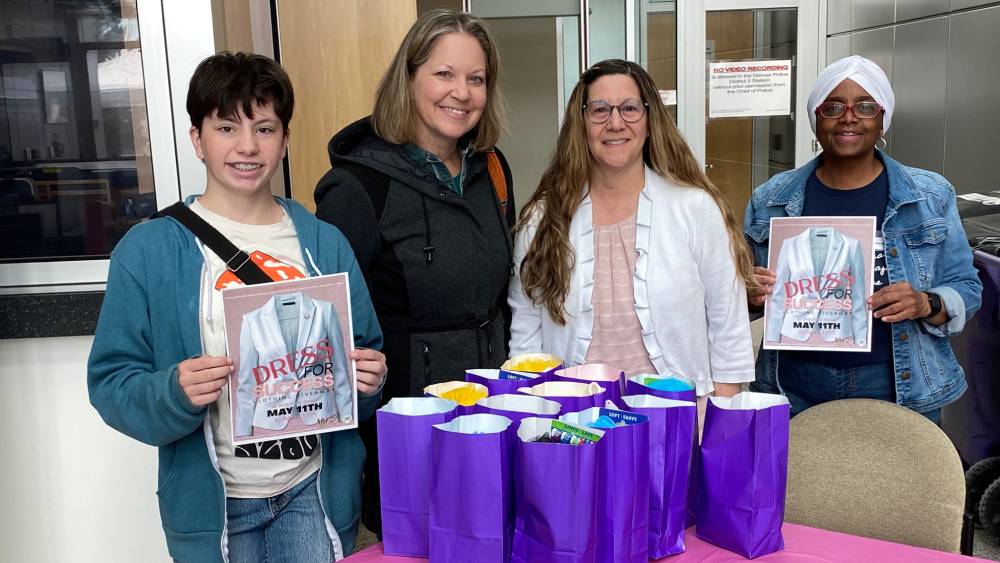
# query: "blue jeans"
(286, 527)
(808, 384)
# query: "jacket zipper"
(427, 365)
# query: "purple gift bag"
(472, 491)
(671, 438)
(404, 463)
(555, 498)
(518, 407)
(622, 483)
(572, 395)
(744, 467)
(693, 483)
(501, 382)
(607, 377)
(684, 389)
(634, 386)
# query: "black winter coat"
(437, 263)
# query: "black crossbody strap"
(237, 261)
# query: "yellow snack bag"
(462, 392)
(465, 396)
(532, 363)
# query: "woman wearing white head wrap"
(925, 283)
(862, 72)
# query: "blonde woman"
(627, 254)
(411, 190)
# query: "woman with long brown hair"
(626, 254)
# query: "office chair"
(875, 469)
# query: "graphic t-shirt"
(271, 467)
(867, 201)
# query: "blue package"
(603, 422)
(668, 384)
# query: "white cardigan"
(690, 302)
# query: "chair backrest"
(875, 469)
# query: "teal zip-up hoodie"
(149, 323)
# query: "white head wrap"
(865, 73)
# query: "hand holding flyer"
(765, 284)
(202, 378)
(899, 302)
(370, 369)
(823, 279)
(291, 345)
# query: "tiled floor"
(364, 539)
(985, 546)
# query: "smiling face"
(847, 136)
(616, 144)
(449, 93)
(241, 153)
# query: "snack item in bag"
(462, 392)
(465, 396)
(667, 384)
(532, 363)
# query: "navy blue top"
(822, 200)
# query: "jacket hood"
(307, 228)
(359, 144)
(353, 139)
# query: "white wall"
(73, 489)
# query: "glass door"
(657, 48)
(745, 111)
(540, 45)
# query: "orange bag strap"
(498, 179)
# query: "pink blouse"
(616, 334)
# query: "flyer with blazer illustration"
(825, 274)
(290, 342)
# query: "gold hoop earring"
(884, 143)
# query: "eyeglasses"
(599, 111)
(861, 110)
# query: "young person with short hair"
(158, 370)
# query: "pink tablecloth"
(801, 544)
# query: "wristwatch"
(935, 302)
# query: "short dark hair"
(226, 81)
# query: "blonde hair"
(394, 111)
(547, 266)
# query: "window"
(75, 161)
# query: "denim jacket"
(925, 245)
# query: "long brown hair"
(393, 114)
(548, 264)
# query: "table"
(802, 543)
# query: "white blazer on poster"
(836, 253)
(307, 321)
